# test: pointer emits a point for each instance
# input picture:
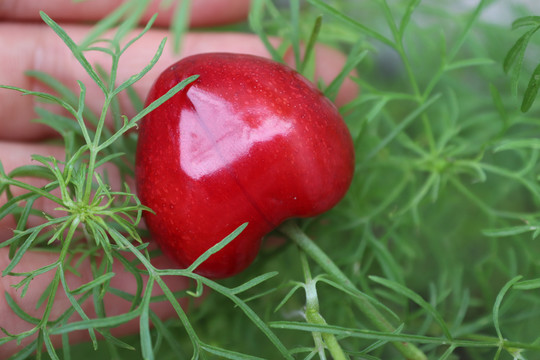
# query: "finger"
(37, 47)
(114, 305)
(222, 12)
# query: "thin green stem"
(398, 46)
(55, 285)
(33, 189)
(291, 229)
(313, 316)
(94, 149)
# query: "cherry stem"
(291, 229)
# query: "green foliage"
(514, 60)
(432, 254)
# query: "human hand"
(34, 46)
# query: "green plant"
(432, 253)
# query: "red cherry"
(250, 140)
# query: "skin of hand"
(34, 46)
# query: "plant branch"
(293, 231)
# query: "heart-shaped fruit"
(250, 140)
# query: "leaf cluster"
(97, 224)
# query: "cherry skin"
(250, 140)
